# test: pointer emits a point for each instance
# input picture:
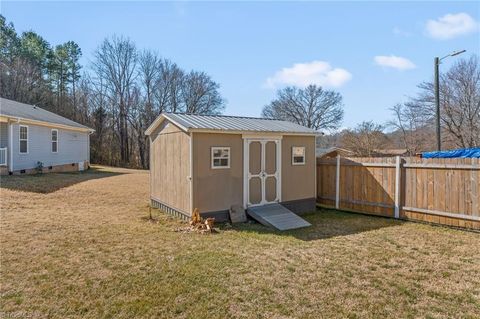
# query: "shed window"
(298, 155)
(23, 138)
(54, 141)
(220, 157)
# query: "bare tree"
(144, 106)
(312, 107)
(459, 102)
(200, 94)
(149, 71)
(364, 139)
(115, 62)
(414, 125)
(168, 87)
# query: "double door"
(263, 169)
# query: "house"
(333, 152)
(30, 135)
(215, 162)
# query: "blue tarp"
(462, 153)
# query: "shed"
(214, 162)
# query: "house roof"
(22, 111)
(320, 152)
(222, 123)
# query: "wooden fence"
(442, 191)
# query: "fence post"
(337, 184)
(397, 186)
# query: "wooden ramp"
(276, 216)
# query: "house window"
(54, 141)
(298, 155)
(220, 157)
(23, 137)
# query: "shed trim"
(191, 172)
(263, 135)
(255, 134)
(246, 168)
(159, 120)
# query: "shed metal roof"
(13, 109)
(221, 123)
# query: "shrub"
(39, 167)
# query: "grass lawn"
(78, 246)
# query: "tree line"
(119, 94)
(124, 88)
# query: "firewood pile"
(198, 224)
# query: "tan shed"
(214, 162)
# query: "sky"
(373, 53)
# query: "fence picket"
(444, 191)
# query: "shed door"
(263, 167)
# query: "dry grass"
(77, 246)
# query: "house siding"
(73, 147)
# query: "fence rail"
(443, 191)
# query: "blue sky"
(373, 53)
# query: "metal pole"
(337, 184)
(397, 186)
(437, 103)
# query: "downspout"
(10, 149)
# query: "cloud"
(450, 26)
(400, 32)
(304, 74)
(396, 62)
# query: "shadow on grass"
(51, 182)
(326, 224)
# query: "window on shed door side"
(220, 157)
(298, 155)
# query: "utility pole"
(437, 62)
(437, 103)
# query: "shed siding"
(72, 147)
(3, 135)
(298, 181)
(217, 189)
(170, 167)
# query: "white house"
(31, 137)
